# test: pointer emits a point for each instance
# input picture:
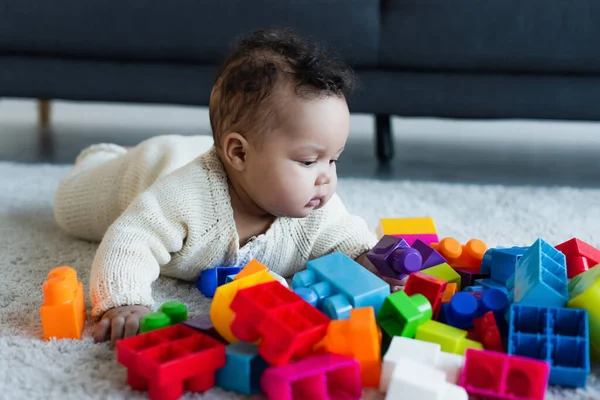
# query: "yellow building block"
(444, 272)
(584, 292)
(405, 226)
(220, 311)
(452, 340)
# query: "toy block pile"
(472, 322)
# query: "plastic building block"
(559, 336)
(412, 379)
(210, 279)
(169, 360)
(242, 369)
(500, 262)
(279, 279)
(429, 255)
(252, 267)
(229, 278)
(358, 337)
(170, 313)
(493, 375)
(63, 309)
(451, 289)
(585, 294)
(475, 288)
(491, 284)
(325, 376)
(203, 324)
(220, 311)
(308, 295)
(429, 286)
(443, 271)
(286, 325)
(468, 276)
(400, 314)
(580, 256)
(451, 340)
(405, 226)
(426, 238)
(467, 256)
(424, 352)
(487, 332)
(342, 284)
(540, 277)
(460, 311)
(394, 258)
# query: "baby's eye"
(307, 163)
(334, 161)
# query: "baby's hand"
(119, 323)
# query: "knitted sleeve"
(137, 244)
(341, 231)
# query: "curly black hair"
(258, 62)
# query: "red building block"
(288, 325)
(580, 256)
(487, 332)
(429, 286)
(169, 360)
(492, 375)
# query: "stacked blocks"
(584, 292)
(443, 271)
(242, 370)
(500, 262)
(170, 313)
(286, 325)
(169, 360)
(487, 332)
(429, 286)
(409, 229)
(540, 277)
(559, 336)
(358, 337)
(449, 292)
(203, 324)
(493, 375)
(467, 256)
(451, 340)
(326, 376)
(63, 309)
(394, 258)
(341, 284)
(469, 276)
(212, 278)
(429, 255)
(401, 315)
(580, 256)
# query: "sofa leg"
(384, 138)
(44, 113)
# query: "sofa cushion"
(507, 35)
(197, 31)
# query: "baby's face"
(293, 172)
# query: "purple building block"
(429, 255)
(204, 324)
(468, 276)
(394, 258)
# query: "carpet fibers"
(31, 244)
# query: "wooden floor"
(501, 152)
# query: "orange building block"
(468, 255)
(252, 267)
(63, 310)
(450, 291)
(357, 337)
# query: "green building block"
(452, 340)
(444, 272)
(170, 313)
(584, 293)
(400, 315)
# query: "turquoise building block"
(488, 283)
(243, 369)
(341, 284)
(540, 277)
(500, 262)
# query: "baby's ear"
(234, 150)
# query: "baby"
(263, 187)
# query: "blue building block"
(559, 336)
(473, 288)
(460, 311)
(308, 295)
(210, 279)
(500, 262)
(540, 277)
(342, 284)
(488, 283)
(243, 369)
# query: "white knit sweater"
(183, 224)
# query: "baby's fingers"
(101, 330)
(132, 325)
(116, 328)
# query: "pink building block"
(324, 377)
(493, 375)
(428, 238)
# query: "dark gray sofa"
(438, 58)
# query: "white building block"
(279, 278)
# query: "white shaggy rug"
(31, 244)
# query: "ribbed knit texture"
(162, 209)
